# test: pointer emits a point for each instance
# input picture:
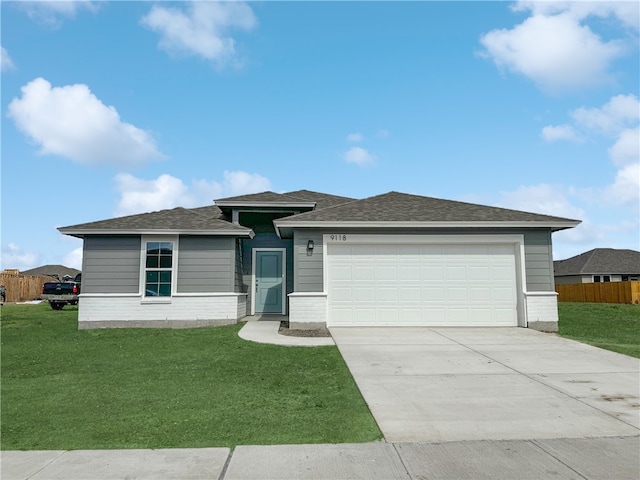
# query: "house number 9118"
(338, 238)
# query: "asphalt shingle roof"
(600, 261)
(176, 219)
(389, 207)
(51, 270)
(402, 207)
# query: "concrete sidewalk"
(602, 458)
(264, 329)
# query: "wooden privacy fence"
(605, 292)
(21, 288)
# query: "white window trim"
(143, 267)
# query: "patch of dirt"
(316, 332)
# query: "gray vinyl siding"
(537, 252)
(111, 264)
(308, 265)
(538, 259)
(206, 264)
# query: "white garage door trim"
(410, 313)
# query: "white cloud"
(626, 150)
(138, 195)
(618, 118)
(619, 112)
(14, 257)
(71, 121)
(554, 200)
(625, 190)
(6, 62)
(553, 48)
(543, 198)
(625, 11)
(73, 259)
(560, 132)
(201, 29)
(355, 137)
(52, 12)
(359, 156)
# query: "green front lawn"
(156, 388)
(605, 325)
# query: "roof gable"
(302, 198)
(600, 261)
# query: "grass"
(156, 388)
(612, 326)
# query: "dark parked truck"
(62, 293)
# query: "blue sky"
(115, 108)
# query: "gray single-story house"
(599, 265)
(392, 259)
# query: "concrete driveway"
(450, 384)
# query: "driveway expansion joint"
(226, 464)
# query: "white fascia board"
(224, 233)
(266, 204)
(558, 225)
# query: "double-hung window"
(158, 269)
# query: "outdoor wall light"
(310, 245)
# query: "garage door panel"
(457, 294)
(457, 316)
(456, 273)
(387, 316)
(364, 316)
(362, 273)
(364, 294)
(342, 294)
(503, 294)
(480, 294)
(409, 273)
(433, 294)
(432, 273)
(386, 272)
(426, 284)
(410, 295)
(479, 274)
(339, 272)
(411, 316)
(389, 294)
(341, 316)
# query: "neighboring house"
(599, 265)
(52, 271)
(392, 259)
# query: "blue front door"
(269, 285)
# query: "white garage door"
(427, 284)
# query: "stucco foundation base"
(154, 324)
(180, 311)
(307, 311)
(542, 311)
